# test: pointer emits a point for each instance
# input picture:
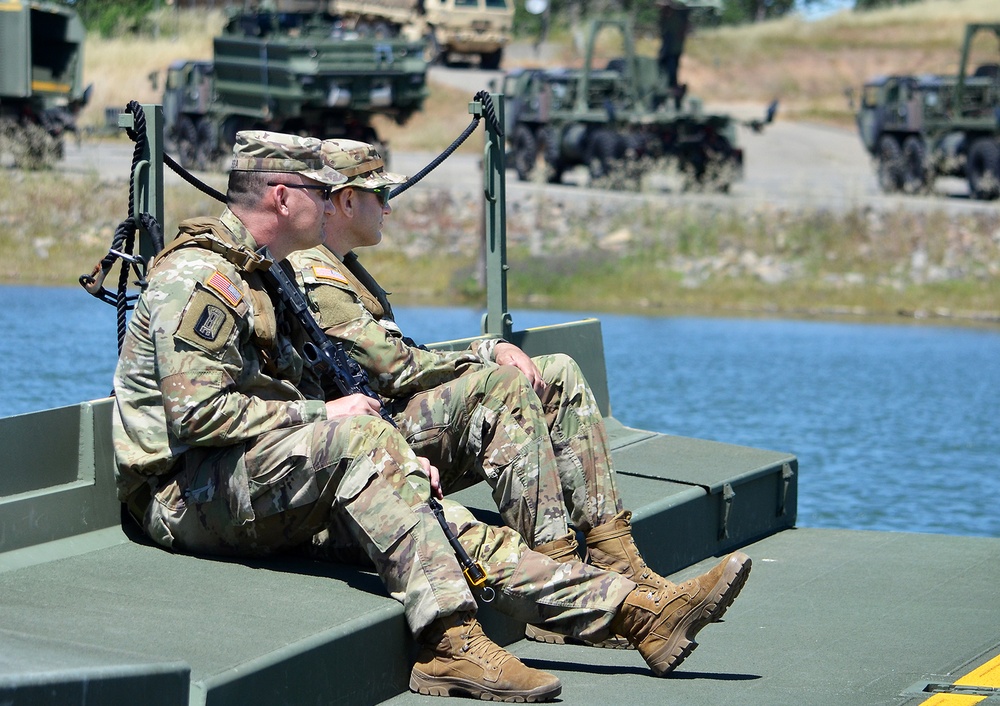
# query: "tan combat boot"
(564, 550)
(457, 659)
(663, 624)
(611, 547)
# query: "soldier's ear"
(277, 198)
(346, 201)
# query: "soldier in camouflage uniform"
(225, 445)
(530, 427)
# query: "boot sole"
(681, 642)
(442, 686)
(537, 634)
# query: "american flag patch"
(224, 286)
(329, 273)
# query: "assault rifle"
(325, 356)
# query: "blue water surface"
(895, 427)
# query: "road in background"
(789, 165)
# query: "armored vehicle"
(41, 79)
(619, 122)
(451, 29)
(291, 72)
(918, 128)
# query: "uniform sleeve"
(211, 379)
(395, 369)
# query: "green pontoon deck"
(91, 614)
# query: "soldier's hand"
(352, 406)
(434, 475)
(509, 354)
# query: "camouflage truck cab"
(290, 72)
(41, 79)
(919, 128)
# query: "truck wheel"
(890, 165)
(187, 142)
(604, 155)
(490, 61)
(916, 175)
(554, 166)
(205, 142)
(524, 151)
(983, 169)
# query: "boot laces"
(481, 648)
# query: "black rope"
(123, 243)
(484, 98)
(192, 179)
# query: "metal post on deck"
(497, 320)
(147, 174)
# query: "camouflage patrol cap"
(360, 163)
(265, 151)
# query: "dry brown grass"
(119, 68)
(808, 65)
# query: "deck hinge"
(727, 504)
(786, 481)
(966, 689)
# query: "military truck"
(291, 72)
(451, 29)
(41, 79)
(620, 122)
(919, 128)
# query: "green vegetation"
(654, 258)
(669, 260)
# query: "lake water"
(895, 427)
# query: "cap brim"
(375, 180)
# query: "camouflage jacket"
(362, 319)
(204, 362)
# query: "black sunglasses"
(326, 191)
(383, 193)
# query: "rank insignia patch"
(225, 287)
(210, 322)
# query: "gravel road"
(789, 165)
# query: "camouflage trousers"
(547, 459)
(356, 480)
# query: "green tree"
(747, 11)
(873, 4)
(111, 17)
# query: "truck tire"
(490, 61)
(187, 142)
(983, 169)
(604, 155)
(206, 143)
(524, 151)
(916, 175)
(890, 165)
(554, 165)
